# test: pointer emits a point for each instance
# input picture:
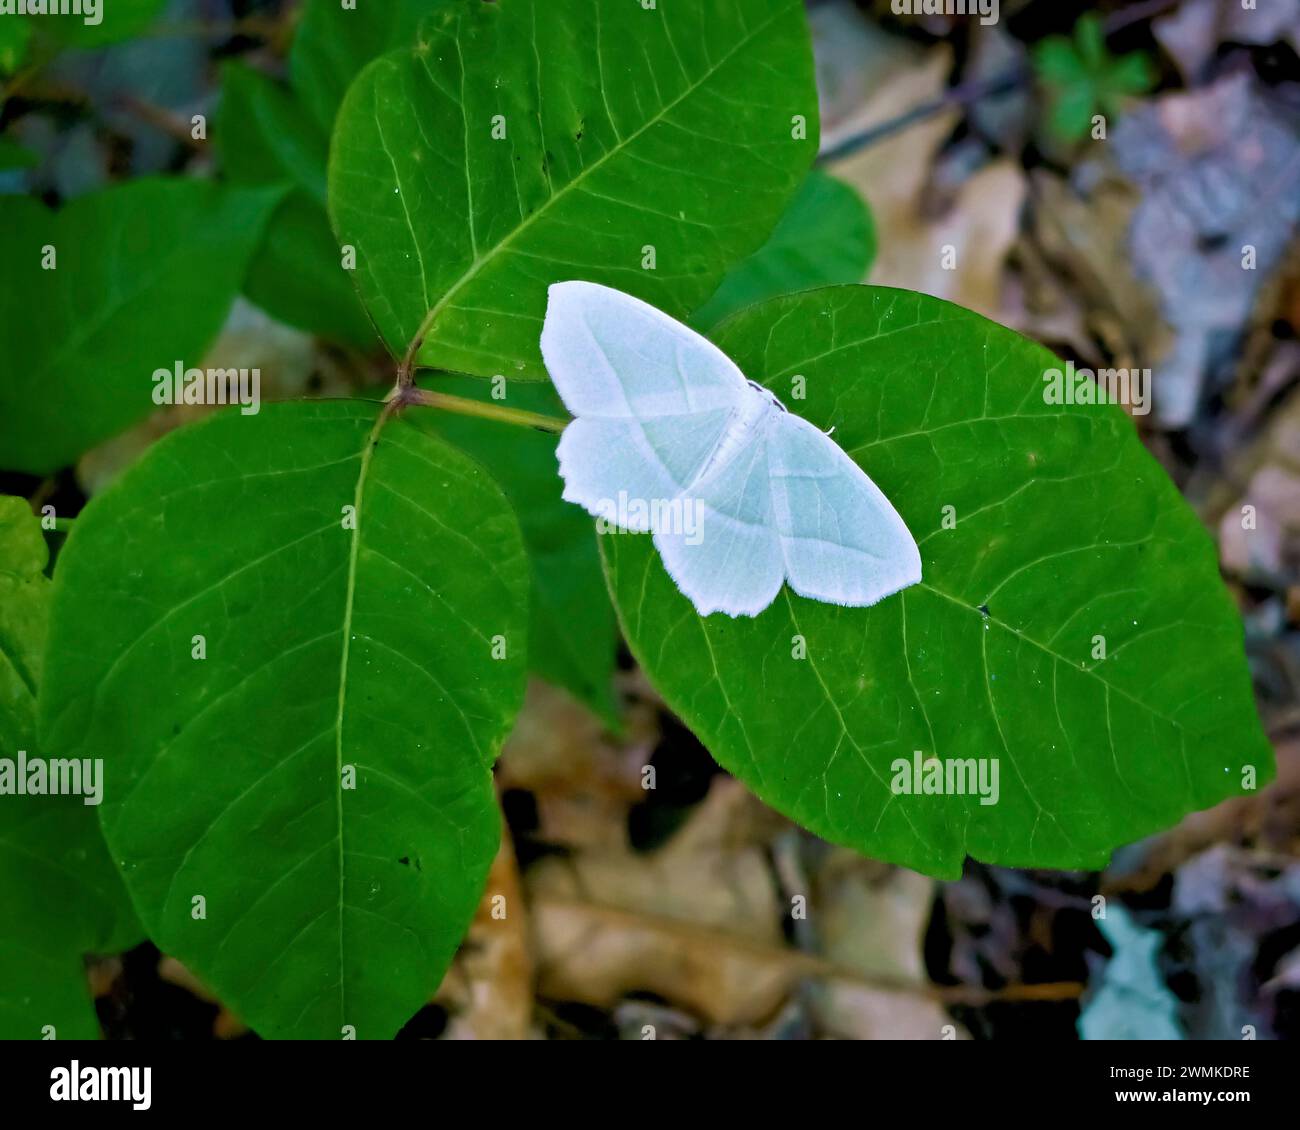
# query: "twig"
(797, 963)
(42, 494)
(961, 95)
(173, 125)
(1136, 13)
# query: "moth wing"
(612, 355)
(651, 398)
(723, 550)
(841, 538)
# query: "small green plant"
(1083, 79)
(296, 637)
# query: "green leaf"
(61, 896)
(297, 276)
(117, 20)
(572, 634)
(1131, 74)
(334, 43)
(1090, 39)
(1066, 530)
(144, 275)
(15, 34)
(1069, 113)
(23, 614)
(15, 156)
(266, 137)
(1081, 78)
(825, 237)
(1056, 61)
(617, 121)
(325, 649)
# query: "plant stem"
(465, 407)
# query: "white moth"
(669, 438)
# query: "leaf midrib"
(349, 603)
(481, 261)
